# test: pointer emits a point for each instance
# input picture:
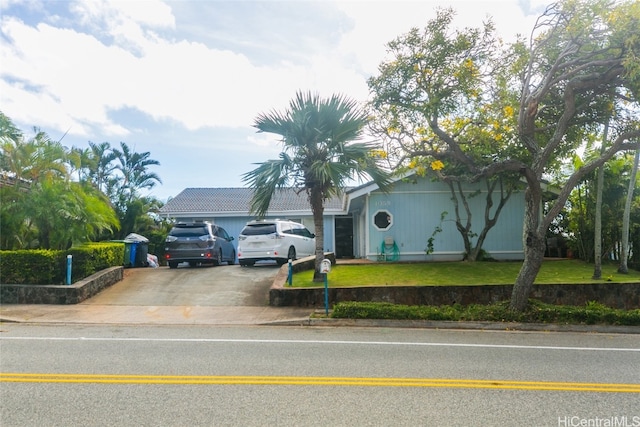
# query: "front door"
(344, 237)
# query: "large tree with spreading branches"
(490, 110)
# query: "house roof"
(237, 201)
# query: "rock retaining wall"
(61, 294)
(624, 296)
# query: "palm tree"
(33, 160)
(624, 250)
(9, 133)
(597, 270)
(123, 188)
(13, 227)
(102, 166)
(63, 213)
(82, 162)
(317, 156)
(45, 208)
(133, 167)
(28, 163)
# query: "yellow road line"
(318, 381)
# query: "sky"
(185, 79)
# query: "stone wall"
(61, 294)
(616, 295)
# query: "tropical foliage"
(491, 110)
(445, 103)
(53, 197)
(578, 221)
(319, 155)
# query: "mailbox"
(325, 266)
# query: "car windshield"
(189, 231)
(258, 229)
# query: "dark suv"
(197, 243)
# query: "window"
(301, 230)
(259, 229)
(222, 233)
(306, 233)
(189, 231)
(382, 220)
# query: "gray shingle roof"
(238, 200)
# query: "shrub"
(39, 267)
(536, 312)
(48, 267)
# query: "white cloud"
(84, 66)
(379, 22)
(183, 80)
(187, 81)
(151, 13)
(79, 87)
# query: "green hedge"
(37, 267)
(47, 267)
(536, 312)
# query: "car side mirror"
(230, 238)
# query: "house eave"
(269, 214)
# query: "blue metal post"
(290, 276)
(326, 295)
(69, 258)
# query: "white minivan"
(278, 240)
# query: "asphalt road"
(100, 375)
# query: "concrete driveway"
(222, 295)
(221, 286)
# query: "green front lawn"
(460, 273)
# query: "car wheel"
(173, 264)
(233, 258)
(218, 259)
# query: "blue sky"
(185, 79)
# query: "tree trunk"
(534, 248)
(597, 244)
(491, 221)
(473, 251)
(597, 239)
(624, 250)
(463, 229)
(317, 208)
(528, 272)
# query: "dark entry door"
(344, 237)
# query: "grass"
(460, 273)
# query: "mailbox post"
(69, 261)
(325, 268)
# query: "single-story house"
(365, 222)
